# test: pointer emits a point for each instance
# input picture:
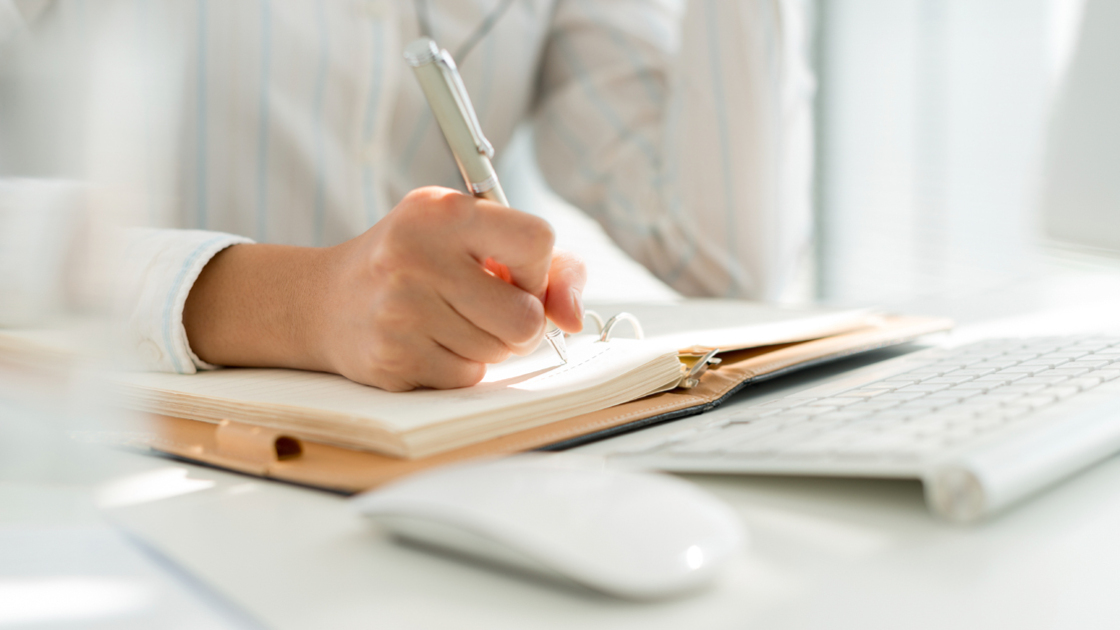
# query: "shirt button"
(150, 352)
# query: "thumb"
(563, 302)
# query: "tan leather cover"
(345, 470)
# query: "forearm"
(260, 305)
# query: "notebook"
(517, 395)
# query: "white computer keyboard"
(931, 407)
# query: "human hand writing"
(443, 285)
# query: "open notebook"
(519, 394)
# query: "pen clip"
(459, 91)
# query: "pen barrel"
(495, 194)
(478, 172)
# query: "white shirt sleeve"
(687, 136)
(158, 269)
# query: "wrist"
(259, 305)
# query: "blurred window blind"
(931, 121)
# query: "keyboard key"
(816, 446)
(1025, 388)
(1096, 343)
(1060, 392)
(864, 392)
(719, 440)
(985, 423)
(923, 388)
(895, 383)
(901, 396)
(1046, 378)
(871, 406)
(998, 398)
(1020, 369)
(996, 380)
(1106, 375)
(838, 401)
(1014, 412)
(786, 403)
(837, 416)
(1067, 354)
(953, 396)
(879, 446)
(951, 379)
(973, 388)
(1020, 356)
(1036, 400)
(757, 413)
(976, 406)
(973, 372)
(646, 445)
(1046, 362)
(762, 445)
(919, 406)
(993, 364)
(716, 424)
(896, 416)
(1086, 363)
(1083, 382)
(921, 373)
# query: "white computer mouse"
(634, 535)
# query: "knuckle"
(490, 351)
(423, 196)
(538, 234)
(395, 311)
(525, 320)
(499, 354)
(428, 207)
(469, 373)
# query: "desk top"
(836, 553)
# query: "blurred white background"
(932, 118)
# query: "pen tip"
(556, 339)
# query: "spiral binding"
(691, 369)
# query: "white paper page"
(730, 323)
(538, 376)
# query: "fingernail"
(577, 303)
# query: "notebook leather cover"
(266, 453)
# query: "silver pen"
(447, 96)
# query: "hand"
(438, 288)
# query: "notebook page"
(517, 381)
(732, 324)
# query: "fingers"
(442, 286)
(511, 315)
(433, 366)
(447, 370)
(440, 221)
(453, 332)
(563, 303)
(520, 242)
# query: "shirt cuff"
(159, 268)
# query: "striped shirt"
(684, 131)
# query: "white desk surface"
(825, 553)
